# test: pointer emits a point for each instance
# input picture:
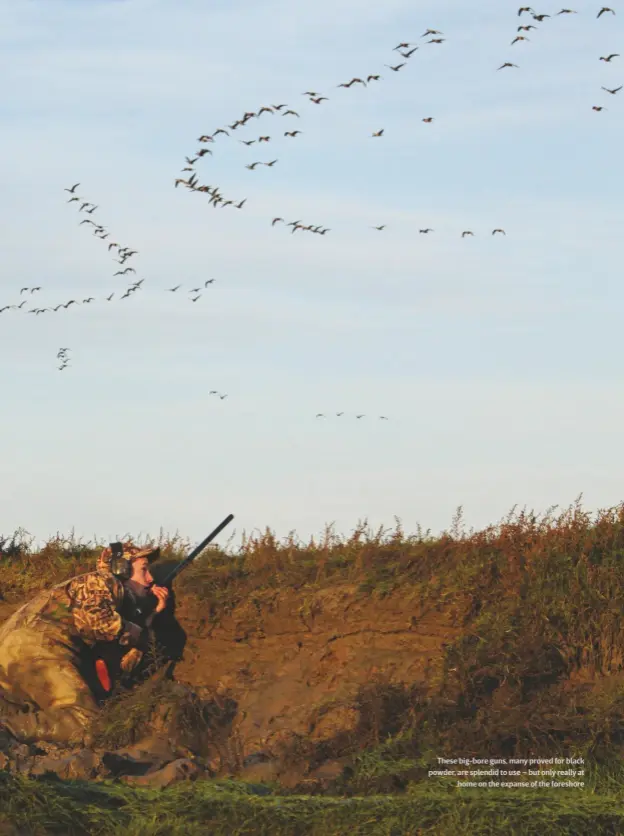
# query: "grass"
(536, 669)
(229, 808)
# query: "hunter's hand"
(162, 593)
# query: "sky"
(497, 360)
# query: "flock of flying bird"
(405, 49)
(338, 414)
(123, 253)
(216, 197)
(62, 356)
(540, 19)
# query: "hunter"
(53, 659)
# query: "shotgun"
(196, 552)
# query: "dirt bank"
(294, 663)
(292, 666)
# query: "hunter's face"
(141, 573)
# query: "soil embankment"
(295, 663)
(292, 667)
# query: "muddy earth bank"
(281, 688)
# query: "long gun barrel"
(196, 551)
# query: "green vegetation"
(537, 668)
(228, 808)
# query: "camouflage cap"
(130, 552)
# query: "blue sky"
(497, 360)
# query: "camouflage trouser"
(45, 696)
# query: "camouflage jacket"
(86, 607)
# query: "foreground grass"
(228, 808)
